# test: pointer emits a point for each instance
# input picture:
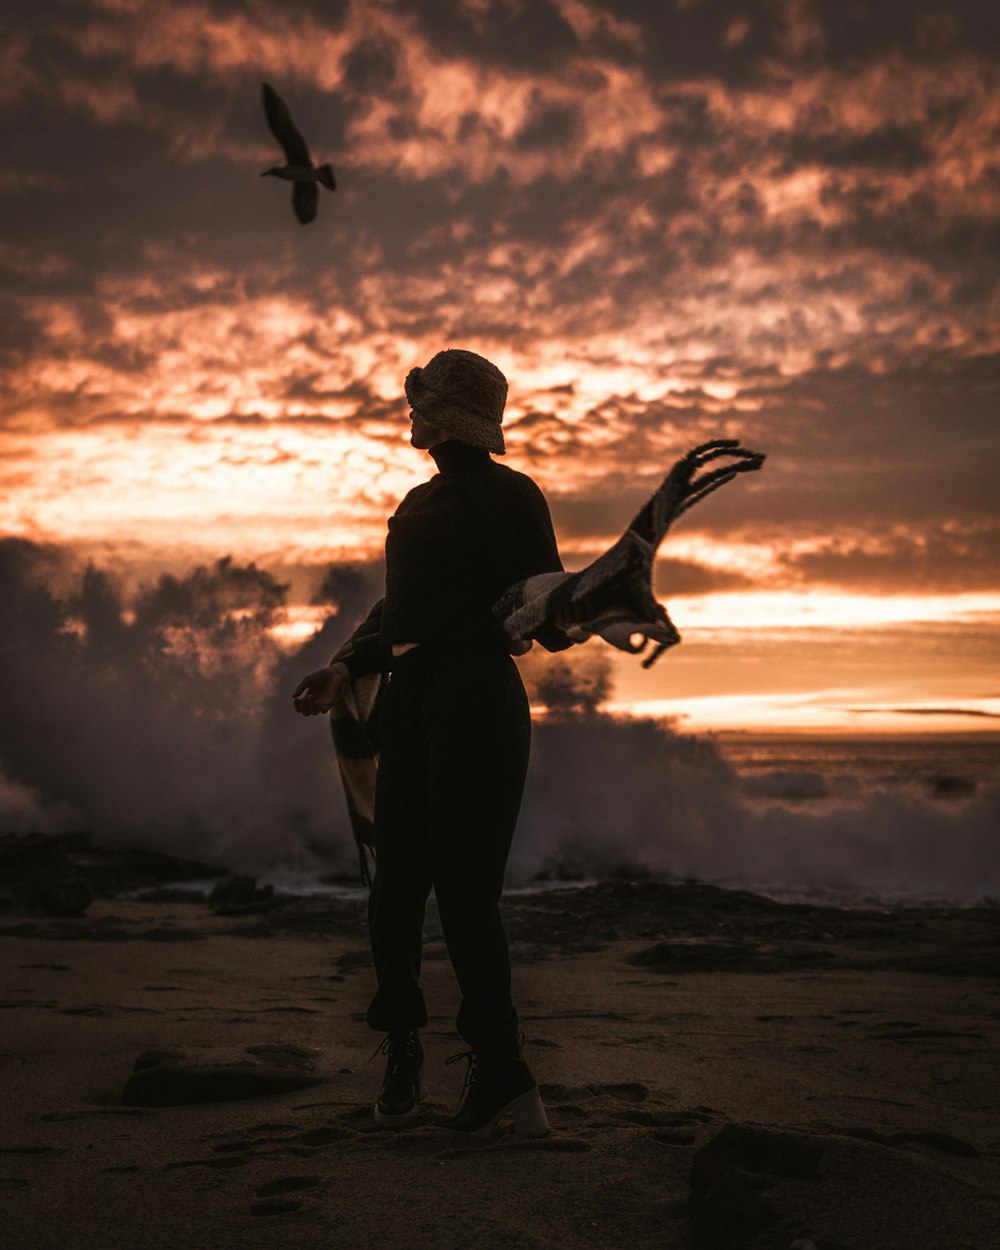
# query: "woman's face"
(423, 434)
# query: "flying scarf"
(614, 594)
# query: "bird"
(299, 168)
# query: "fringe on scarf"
(618, 587)
(615, 591)
(354, 729)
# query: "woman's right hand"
(317, 692)
(570, 614)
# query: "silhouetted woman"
(454, 733)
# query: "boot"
(402, 1086)
(498, 1083)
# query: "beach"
(719, 1070)
(650, 345)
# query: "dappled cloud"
(665, 223)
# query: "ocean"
(845, 821)
(821, 770)
(839, 820)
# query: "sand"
(719, 1071)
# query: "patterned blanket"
(612, 598)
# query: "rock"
(729, 1176)
(727, 1208)
(940, 1141)
(170, 1078)
(171, 894)
(287, 1056)
(39, 876)
(682, 956)
(950, 786)
(763, 1150)
(239, 892)
(167, 1085)
(35, 858)
(171, 935)
(110, 872)
(68, 897)
(262, 904)
(150, 1058)
(758, 1188)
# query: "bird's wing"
(284, 129)
(305, 200)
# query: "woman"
(454, 733)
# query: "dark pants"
(454, 736)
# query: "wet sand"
(718, 1070)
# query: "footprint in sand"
(666, 1119)
(275, 1206)
(325, 1136)
(630, 1091)
(31, 1150)
(227, 1161)
(59, 1116)
(673, 1137)
(270, 1204)
(903, 1032)
(287, 1185)
(556, 1145)
(353, 961)
(273, 1139)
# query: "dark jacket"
(454, 546)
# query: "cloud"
(957, 559)
(162, 714)
(932, 711)
(664, 222)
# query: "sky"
(665, 221)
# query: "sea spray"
(611, 796)
(621, 797)
(162, 718)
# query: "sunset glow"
(664, 223)
(789, 610)
(832, 711)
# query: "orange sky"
(665, 222)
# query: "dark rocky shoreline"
(48, 883)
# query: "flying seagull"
(299, 168)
